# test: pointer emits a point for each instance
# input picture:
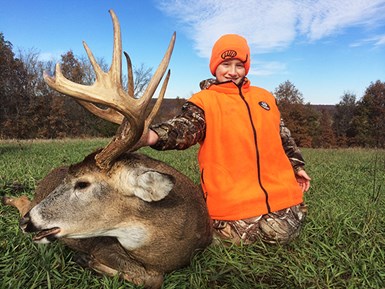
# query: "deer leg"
(22, 203)
(88, 261)
(136, 274)
(106, 256)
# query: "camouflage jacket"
(188, 129)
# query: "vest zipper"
(203, 186)
(256, 149)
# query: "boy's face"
(232, 69)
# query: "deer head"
(122, 107)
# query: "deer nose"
(24, 220)
(26, 225)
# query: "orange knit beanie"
(230, 46)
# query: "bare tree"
(287, 93)
(88, 72)
(142, 76)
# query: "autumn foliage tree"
(325, 138)
(369, 117)
(343, 120)
(300, 118)
(13, 81)
(68, 117)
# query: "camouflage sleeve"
(182, 131)
(291, 149)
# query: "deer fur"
(141, 220)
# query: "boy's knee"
(283, 226)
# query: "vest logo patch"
(264, 105)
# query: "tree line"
(29, 109)
(351, 123)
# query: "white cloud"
(324, 18)
(380, 40)
(376, 41)
(271, 25)
(263, 68)
(262, 24)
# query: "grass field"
(342, 244)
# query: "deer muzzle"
(27, 226)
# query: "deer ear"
(153, 186)
(144, 183)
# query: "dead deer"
(123, 212)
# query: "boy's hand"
(303, 180)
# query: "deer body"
(125, 213)
(144, 216)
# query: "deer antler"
(109, 114)
(107, 90)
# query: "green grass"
(342, 244)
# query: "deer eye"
(80, 185)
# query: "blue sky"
(325, 47)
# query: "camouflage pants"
(277, 227)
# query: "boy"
(252, 172)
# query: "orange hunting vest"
(244, 169)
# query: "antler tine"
(151, 115)
(99, 73)
(155, 80)
(130, 76)
(158, 102)
(107, 114)
(110, 114)
(107, 89)
(116, 65)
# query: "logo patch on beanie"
(264, 105)
(228, 54)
